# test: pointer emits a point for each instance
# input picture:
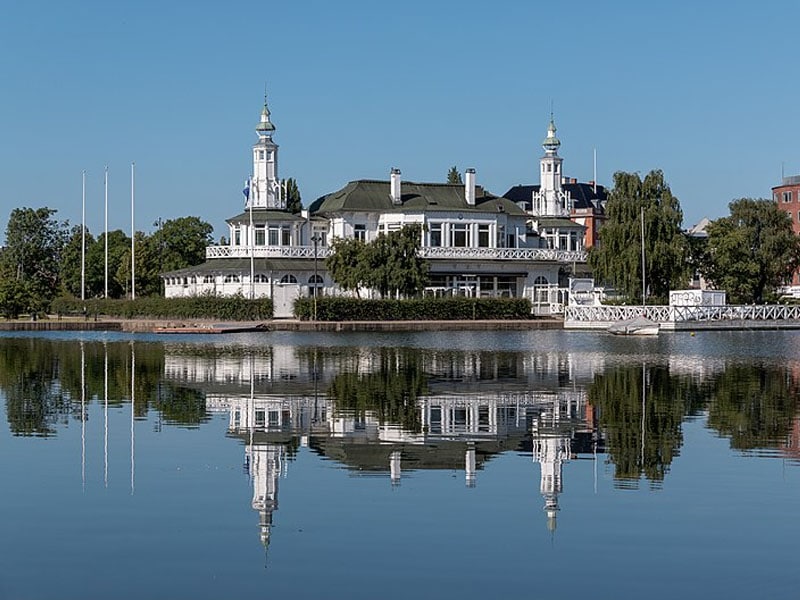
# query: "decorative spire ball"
(265, 126)
(551, 143)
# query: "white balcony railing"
(266, 252)
(528, 254)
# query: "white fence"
(580, 317)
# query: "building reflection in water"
(393, 411)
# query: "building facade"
(787, 198)
(477, 244)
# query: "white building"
(476, 243)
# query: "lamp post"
(315, 239)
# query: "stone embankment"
(206, 326)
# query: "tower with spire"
(551, 199)
(265, 186)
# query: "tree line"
(749, 253)
(42, 259)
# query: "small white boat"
(640, 325)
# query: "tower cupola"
(551, 143)
(265, 127)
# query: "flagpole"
(83, 237)
(252, 239)
(105, 185)
(133, 239)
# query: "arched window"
(540, 281)
(288, 279)
(208, 279)
(315, 280)
(231, 278)
(260, 278)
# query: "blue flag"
(246, 190)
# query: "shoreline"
(207, 326)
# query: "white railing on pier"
(529, 254)
(580, 316)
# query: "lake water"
(438, 465)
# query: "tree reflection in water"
(637, 411)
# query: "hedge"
(332, 308)
(233, 308)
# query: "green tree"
(34, 244)
(70, 267)
(14, 297)
(454, 175)
(294, 204)
(118, 247)
(395, 265)
(618, 257)
(347, 263)
(182, 242)
(752, 251)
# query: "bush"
(233, 308)
(332, 308)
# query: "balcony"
(526, 254)
(266, 252)
(521, 254)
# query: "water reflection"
(390, 412)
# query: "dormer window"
(261, 155)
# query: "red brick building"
(787, 197)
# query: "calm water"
(448, 465)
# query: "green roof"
(561, 222)
(222, 266)
(374, 196)
(261, 215)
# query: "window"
(261, 154)
(436, 235)
(288, 279)
(360, 232)
(237, 237)
(458, 235)
(231, 278)
(483, 236)
(540, 280)
(261, 236)
(208, 279)
(286, 236)
(315, 280)
(260, 278)
(274, 236)
(787, 196)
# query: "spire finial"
(265, 126)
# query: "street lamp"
(315, 239)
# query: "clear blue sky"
(707, 92)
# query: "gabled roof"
(374, 196)
(261, 215)
(582, 194)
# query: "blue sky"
(707, 92)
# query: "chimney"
(395, 187)
(469, 187)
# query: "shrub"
(234, 308)
(332, 308)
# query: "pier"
(687, 318)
